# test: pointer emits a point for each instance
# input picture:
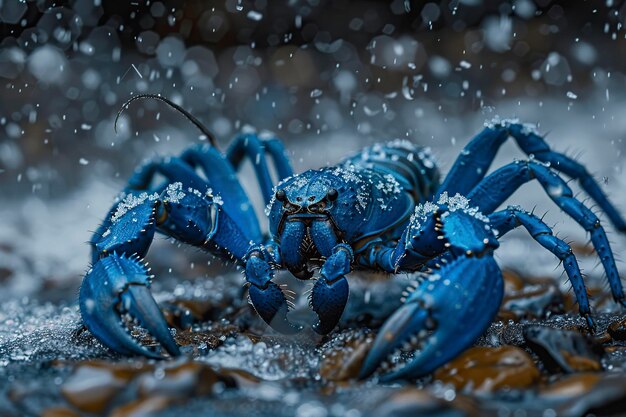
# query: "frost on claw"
(459, 202)
(421, 213)
(129, 202)
(454, 203)
(174, 192)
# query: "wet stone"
(563, 350)
(418, 402)
(94, 384)
(142, 407)
(617, 330)
(126, 389)
(343, 361)
(59, 412)
(529, 297)
(490, 369)
(571, 385)
(587, 394)
(200, 340)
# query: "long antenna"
(206, 132)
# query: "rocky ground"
(537, 358)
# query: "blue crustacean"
(383, 209)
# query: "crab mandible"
(382, 209)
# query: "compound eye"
(332, 194)
(281, 195)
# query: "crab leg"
(118, 283)
(473, 163)
(498, 186)
(255, 149)
(330, 292)
(512, 217)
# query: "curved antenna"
(206, 132)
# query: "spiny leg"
(221, 176)
(171, 169)
(512, 217)
(265, 296)
(474, 161)
(255, 149)
(497, 187)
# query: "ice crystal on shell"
(129, 202)
(174, 192)
(454, 203)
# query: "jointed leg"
(255, 150)
(497, 187)
(475, 159)
(221, 177)
(513, 217)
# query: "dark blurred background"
(297, 67)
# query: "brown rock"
(420, 402)
(563, 350)
(344, 362)
(529, 297)
(59, 412)
(490, 369)
(571, 386)
(617, 330)
(212, 338)
(183, 381)
(141, 408)
(94, 384)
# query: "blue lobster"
(383, 209)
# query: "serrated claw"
(116, 285)
(328, 300)
(271, 304)
(141, 305)
(442, 318)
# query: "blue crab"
(383, 209)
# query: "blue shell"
(378, 190)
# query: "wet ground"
(539, 357)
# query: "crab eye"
(319, 206)
(332, 194)
(281, 195)
(290, 208)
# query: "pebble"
(529, 297)
(344, 361)
(489, 369)
(562, 350)
(617, 330)
(126, 389)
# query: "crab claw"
(266, 296)
(328, 300)
(117, 285)
(330, 292)
(440, 319)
